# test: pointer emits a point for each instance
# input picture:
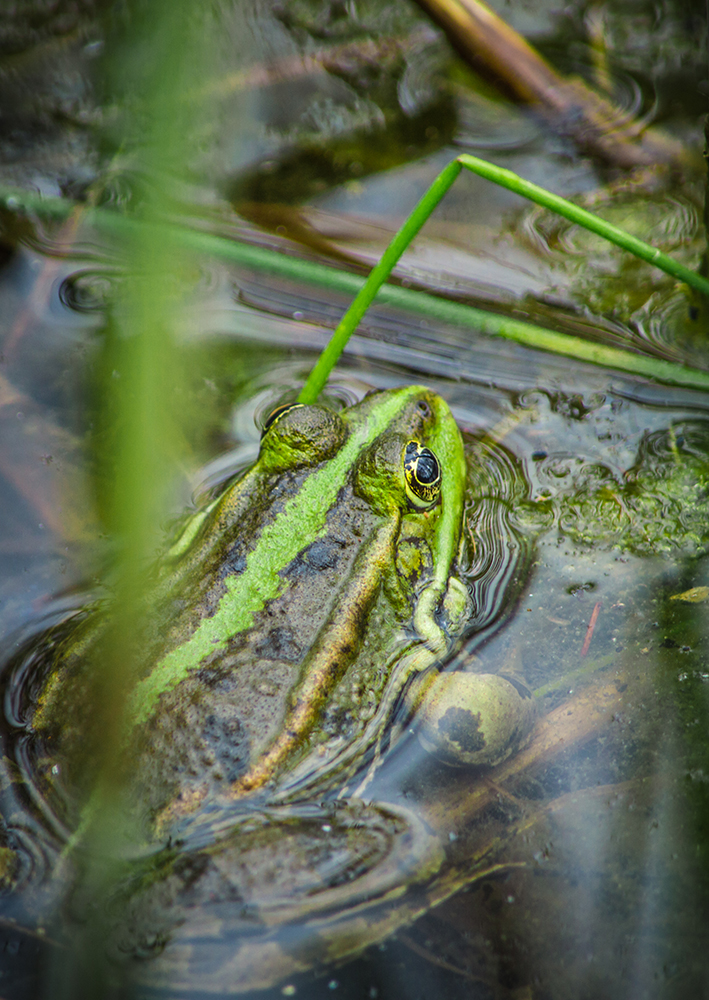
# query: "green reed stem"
(336, 345)
(511, 181)
(434, 306)
(537, 337)
(423, 303)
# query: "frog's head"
(401, 447)
(402, 452)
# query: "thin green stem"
(425, 304)
(436, 307)
(511, 181)
(524, 333)
(327, 360)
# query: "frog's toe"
(478, 719)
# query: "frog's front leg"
(472, 719)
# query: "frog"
(294, 644)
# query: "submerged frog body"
(295, 633)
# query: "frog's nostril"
(424, 409)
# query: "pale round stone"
(475, 719)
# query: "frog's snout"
(475, 719)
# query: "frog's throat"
(304, 516)
(446, 442)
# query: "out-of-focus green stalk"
(136, 410)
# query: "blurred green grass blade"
(137, 385)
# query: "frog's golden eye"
(422, 472)
(278, 412)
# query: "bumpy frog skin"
(302, 620)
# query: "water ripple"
(664, 221)
(494, 547)
(87, 290)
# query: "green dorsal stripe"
(300, 523)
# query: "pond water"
(578, 867)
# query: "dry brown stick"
(590, 629)
(595, 124)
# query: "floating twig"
(591, 627)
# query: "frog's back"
(260, 624)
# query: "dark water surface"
(585, 870)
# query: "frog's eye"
(278, 412)
(422, 473)
(295, 435)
